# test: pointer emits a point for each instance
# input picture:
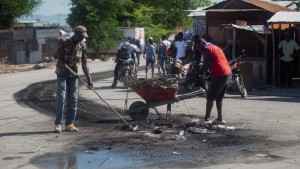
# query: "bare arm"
(85, 69)
(206, 57)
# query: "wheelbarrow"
(155, 96)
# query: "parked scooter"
(126, 72)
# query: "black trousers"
(119, 62)
(286, 72)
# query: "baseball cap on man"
(81, 30)
(129, 38)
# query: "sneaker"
(57, 128)
(114, 85)
(72, 128)
(222, 122)
(207, 122)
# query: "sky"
(53, 7)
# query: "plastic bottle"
(178, 137)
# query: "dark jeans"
(286, 71)
(119, 62)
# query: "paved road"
(273, 116)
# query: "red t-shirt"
(219, 64)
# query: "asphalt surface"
(270, 117)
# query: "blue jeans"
(67, 91)
(163, 64)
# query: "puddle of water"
(108, 158)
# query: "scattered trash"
(195, 121)
(181, 132)
(195, 130)
(134, 126)
(176, 153)
(224, 127)
(39, 66)
(158, 130)
(262, 155)
(178, 138)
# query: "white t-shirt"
(181, 46)
(167, 43)
(288, 48)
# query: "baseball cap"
(81, 30)
(129, 38)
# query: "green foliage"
(12, 9)
(104, 17)
(100, 19)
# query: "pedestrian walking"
(150, 57)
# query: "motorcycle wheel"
(241, 86)
(205, 85)
(126, 78)
(189, 84)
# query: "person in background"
(125, 52)
(150, 56)
(215, 59)
(180, 46)
(140, 48)
(164, 45)
(288, 46)
(156, 57)
(71, 51)
(196, 48)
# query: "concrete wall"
(254, 73)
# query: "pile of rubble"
(155, 82)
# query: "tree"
(100, 19)
(12, 9)
(104, 17)
(167, 16)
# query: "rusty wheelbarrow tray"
(154, 97)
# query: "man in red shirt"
(215, 60)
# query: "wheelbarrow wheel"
(136, 112)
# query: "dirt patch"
(8, 68)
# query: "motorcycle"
(179, 69)
(237, 79)
(126, 72)
(201, 80)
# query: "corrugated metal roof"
(289, 4)
(261, 29)
(285, 17)
(269, 6)
(197, 12)
(259, 4)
